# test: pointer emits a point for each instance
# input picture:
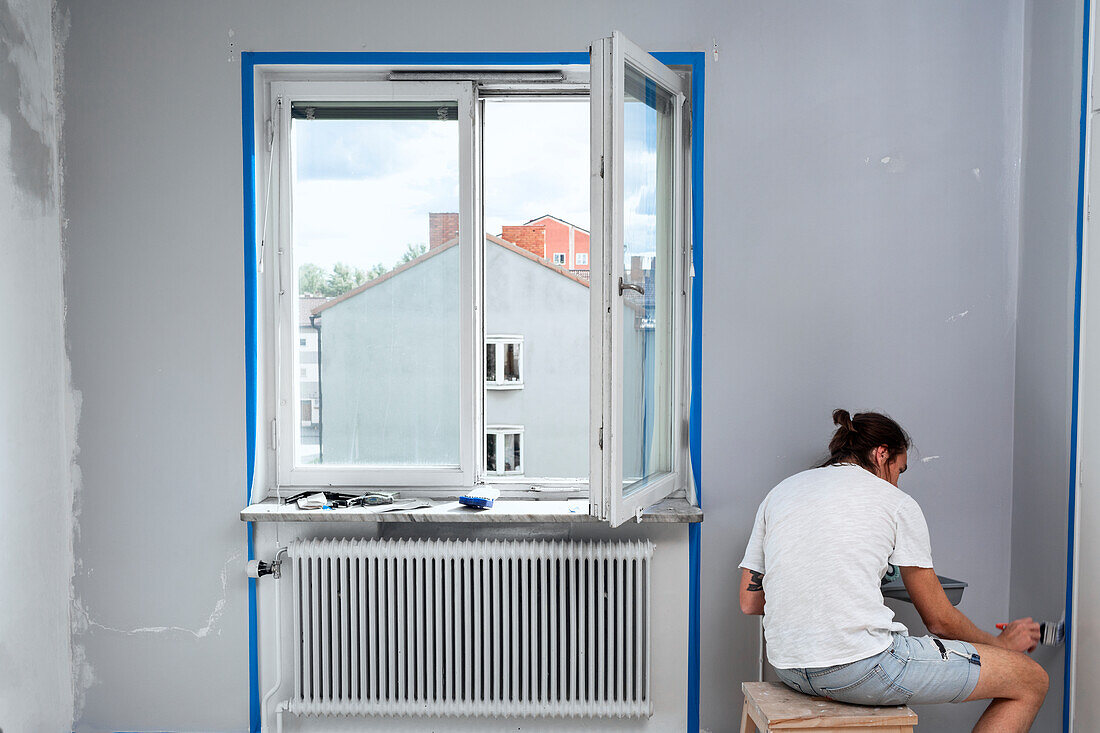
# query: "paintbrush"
(1051, 633)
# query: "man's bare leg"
(1016, 684)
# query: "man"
(822, 541)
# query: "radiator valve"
(259, 568)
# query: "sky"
(363, 188)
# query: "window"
(504, 450)
(503, 362)
(392, 270)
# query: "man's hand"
(1022, 635)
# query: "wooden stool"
(773, 706)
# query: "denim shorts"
(911, 670)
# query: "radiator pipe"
(278, 646)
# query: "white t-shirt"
(823, 539)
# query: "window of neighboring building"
(504, 362)
(504, 450)
(390, 255)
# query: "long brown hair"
(858, 435)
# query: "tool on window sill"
(339, 500)
(480, 498)
(376, 498)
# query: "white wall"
(35, 407)
(862, 210)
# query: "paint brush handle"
(1002, 627)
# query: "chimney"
(442, 228)
(531, 237)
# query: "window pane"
(490, 362)
(647, 264)
(511, 362)
(377, 264)
(491, 452)
(536, 203)
(512, 462)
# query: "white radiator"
(489, 628)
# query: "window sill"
(504, 511)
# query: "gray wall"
(861, 252)
(1044, 329)
(862, 184)
(36, 405)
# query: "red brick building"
(554, 239)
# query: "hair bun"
(842, 419)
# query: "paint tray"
(953, 588)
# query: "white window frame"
(282, 287)
(556, 255)
(578, 257)
(497, 381)
(499, 431)
(607, 497)
(280, 390)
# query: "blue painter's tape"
(1072, 509)
(697, 61)
(251, 355)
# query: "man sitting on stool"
(821, 543)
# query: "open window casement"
(639, 281)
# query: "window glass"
(536, 208)
(491, 453)
(376, 262)
(491, 362)
(647, 266)
(512, 461)
(511, 361)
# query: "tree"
(316, 282)
(311, 280)
(343, 279)
(412, 251)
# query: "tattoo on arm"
(756, 581)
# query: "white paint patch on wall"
(83, 622)
(35, 405)
(957, 316)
